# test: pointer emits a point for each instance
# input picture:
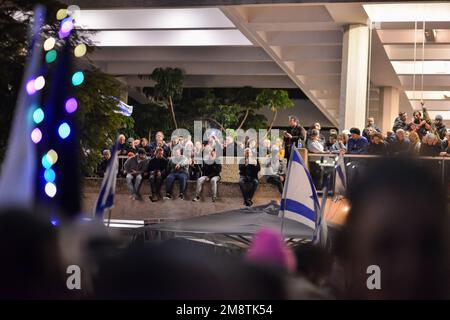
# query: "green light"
(38, 115)
(77, 78)
(46, 162)
(50, 56)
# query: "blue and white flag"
(17, 181)
(105, 200)
(321, 231)
(299, 201)
(340, 184)
(124, 109)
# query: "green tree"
(274, 100)
(98, 123)
(168, 87)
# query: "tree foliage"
(97, 122)
(274, 99)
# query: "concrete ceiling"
(270, 45)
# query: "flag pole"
(109, 216)
(286, 183)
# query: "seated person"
(400, 145)
(210, 172)
(178, 169)
(248, 171)
(357, 144)
(377, 145)
(277, 173)
(159, 142)
(101, 170)
(340, 144)
(314, 143)
(135, 167)
(431, 147)
(157, 172)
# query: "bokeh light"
(36, 135)
(46, 161)
(52, 156)
(50, 56)
(80, 50)
(71, 105)
(78, 78)
(39, 83)
(49, 175)
(74, 11)
(61, 14)
(30, 87)
(64, 130)
(66, 27)
(38, 115)
(49, 44)
(50, 189)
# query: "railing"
(321, 164)
(353, 161)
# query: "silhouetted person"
(398, 221)
(31, 265)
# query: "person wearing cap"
(357, 144)
(135, 167)
(439, 127)
(293, 136)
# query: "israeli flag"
(340, 184)
(124, 109)
(299, 201)
(105, 200)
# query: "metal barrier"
(327, 160)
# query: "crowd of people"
(417, 137)
(183, 160)
(398, 226)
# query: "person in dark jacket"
(439, 127)
(370, 128)
(400, 122)
(101, 170)
(430, 146)
(377, 146)
(211, 169)
(293, 136)
(124, 148)
(135, 167)
(157, 172)
(159, 142)
(401, 145)
(248, 181)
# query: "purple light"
(36, 135)
(66, 27)
(71, 105)
(30, 87)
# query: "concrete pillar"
(389, 107)
(355, 59)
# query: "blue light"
(64, 130)
(46, 162)
(49, 175)
(54, 221)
